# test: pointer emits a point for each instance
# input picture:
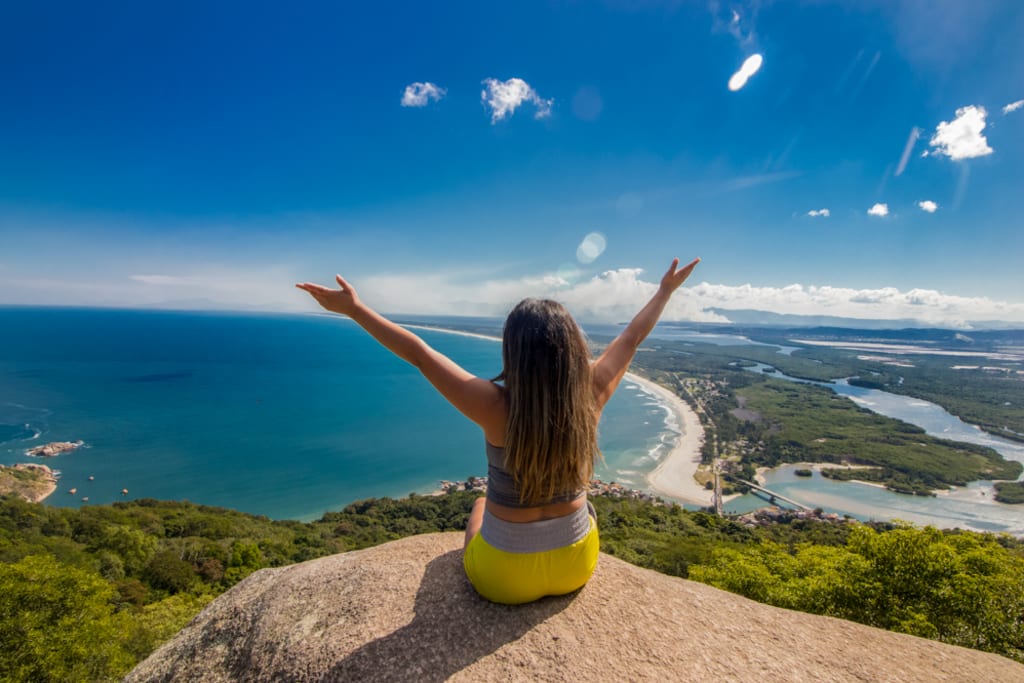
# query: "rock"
(404, 611)
(55, 448)
(39, 483)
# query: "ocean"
(287, 416)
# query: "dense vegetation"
(84, 594)
(1010, 492)
(801, 422)
(760, 421)
(983, 390)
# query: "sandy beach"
(673, 477)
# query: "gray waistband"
(537, 537)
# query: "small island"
(28, 481)
(1010, 492)
(55, 448)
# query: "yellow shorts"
(515, 578)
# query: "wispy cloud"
(1013, 106)
(879, 210)
(225, 286)
(210, 287)
(962, 138)
(735, 19)
(751, 65)
(815, 213)
(420, 94)
(915, 133)
(504, 97)
(928, 206)
(747, 181)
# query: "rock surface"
(404, 611)
(30, 482)
(55, 448)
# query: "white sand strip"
(673, 477)
(460, 333)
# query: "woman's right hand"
(343, 300)
(672, 279)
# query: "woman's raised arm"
(612, 364)
(478, 399)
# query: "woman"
(534, 534)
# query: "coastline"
(474, 335)
(674, 475)
(41, 484)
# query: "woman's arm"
(612, 364)
(478, 399)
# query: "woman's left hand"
(343, 300)
(676, 276)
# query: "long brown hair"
(551, 433)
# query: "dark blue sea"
(287, 416)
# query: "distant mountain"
(768, 319)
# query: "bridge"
(772, 495)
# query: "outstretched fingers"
(676, 276)
(688, 268)
(311, 287)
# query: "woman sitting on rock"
(534, 534)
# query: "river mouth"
(972, 506)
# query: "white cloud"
(215, 286)
(1013, 106)
(420, 94)
(616, 295)
(824, 213)
(886, 303)
(503, 97)
(879, 210)
(750, 66)
(928, 205)
(962, 137)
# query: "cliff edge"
(404, 611)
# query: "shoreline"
(41, 487)
(474, 335)
(673, 476)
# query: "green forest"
(87, 593)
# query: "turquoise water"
(286, 416)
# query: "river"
(972, 506)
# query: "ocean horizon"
(284, 415)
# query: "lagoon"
(971, 507)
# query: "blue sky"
(209, 155)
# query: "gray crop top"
(501, 486)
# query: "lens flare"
(592, 246)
